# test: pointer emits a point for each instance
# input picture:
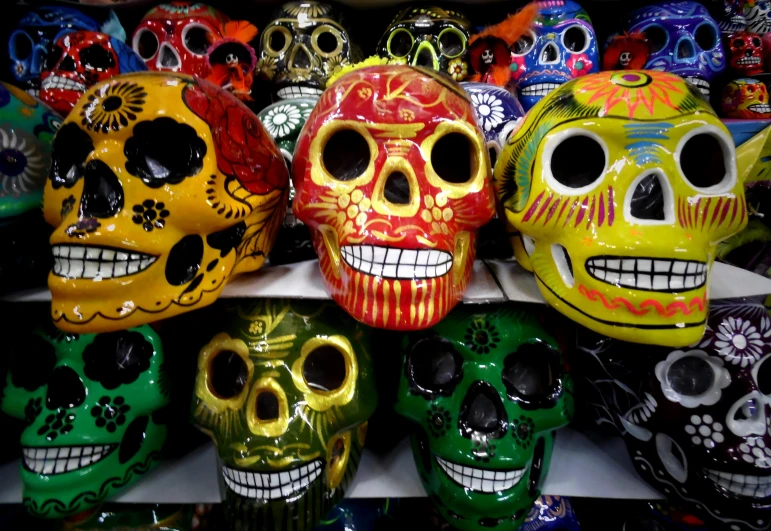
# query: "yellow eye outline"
(457, 32)
(319, 173)
(327, 29)
(390, 38)
(203, 387)
(266, 41)
(324, 400)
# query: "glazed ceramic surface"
(391, 174)
(746, 53)
(561, 46)
(285, 389)
(162, 187)
(551, 513)
(684, 40)
(485, 389)
(30, 44)
(695, 420)
(175, 37)
(302, 46)
(746, 99)
(729, 15)
(758, 15)
(498, 113)
(93, 407)
(621, 184)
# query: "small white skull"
(231, 59)
(487, 57)
(625, 58)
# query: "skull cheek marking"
(133, 439)
(184, 260)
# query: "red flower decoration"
(579, 65)
(517, 67)
(245, 151)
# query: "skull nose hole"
(686, 50)
(67, 64)
(649, 199)
(65, 389)
(482, 412)
(301, 59)
(550, 54)
(564, 264)
(168, 57)
(102, 191)
(397, 188)
(267, 406)
(425, 59)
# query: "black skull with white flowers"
(697, 421)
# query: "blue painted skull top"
(684, 39)
(562, 45)
(34, 37)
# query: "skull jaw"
(60, 100)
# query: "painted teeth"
(52, 460)
(539, 89)
(481, 480)
(271, 485)
(700, 84)
(760, 108)
(749, 61)
(650, 274)
(741, 484)
(99, 263)
(58, 82)
(298, 92)
(389, 262)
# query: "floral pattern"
(267, 65)
(150, 215)
(32, 410)
(458, 69)
(439, 420)
(482, 336)
(22, 168)
(489, 110)
(282, 120)
(740, 342)
(110, 414)
(522, 430)
(113, 107)
(59, 423)
(308, 9)
(579, 65)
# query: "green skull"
(285, 389)
(486, 388)
(93, 408)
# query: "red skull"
(175, 37)
(746, 53)
(393, 178)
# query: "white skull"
(231, 59)
(487, 57)
(625, 58)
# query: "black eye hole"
(575, 39)
(267, 406)
(656, 37)
(533, 375)
(32, 361)
(763, 376)
(324, 369)
(757, 43)
(703, 162)
(52, 57)
(578, 161)
(739, 43)
(400, 43)
(146, 44)
(346, 155)
(97, 57)
(451, 43)
(706, 37)
(276, 41)
(227, 374)
(434, 367)
(454, 158)
(70, 148)
(196, 39)
(117, 358)
(691, 376)
(524, 44)
(327, 42)
(22, 45)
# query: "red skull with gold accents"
(746, 53)
(393, 178)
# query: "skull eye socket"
(656, 37)
(692, 378)
(21, 44)
(146, 44)
(454, 158)
(706, 36)
(703, 158)
(32, 362)
(228, 374)
(576, 39)
(324, 369)
(196, 38)
(576, 162)
(532, 375)
(54, 56)
(434, 367)
(400, 43)
(756, 42)
(452, 42)
(524, 44)
(739, 43)
(762, 374)
(70, 148)
(117, 358)
(276, 40)
(346, 155)
(97, 57)
(327, 41)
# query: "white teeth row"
(79, 261)
(389, 262)
(480, 480)
(298, 92)
(60, 459)
(58, 82)
(271, 485)
(749, 61)
(744, 485)
(539, 89)
(649, 274)
(701, 84)
(760, 108)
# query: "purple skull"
(498, 112)
(730, 15)
(684, 39)
(697, 421)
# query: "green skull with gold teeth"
(285, 389)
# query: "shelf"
(592, 466)
(491, 281)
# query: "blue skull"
(561, 46)
(32, 40)
(498, 112)
(684, 39)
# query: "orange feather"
(241, 30)
(513, 27)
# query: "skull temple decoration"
(485, 389)
(175, 37)
(746, 53)
(285, 389)
(758, 15)
(696, 421)
(561, 46)
(302, 47)
(684, 39)
(80, 60)
(392, 177)
(746, 99)
(162, 187)
(32, 41)
(621, 184)
(431, 37)
(94, 409)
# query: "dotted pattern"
(150, 215)
(110, 414)
(754, 451)
(59, 423)
(705, 430)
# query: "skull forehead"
(430, 14)
(551, 13)
(61, 17)
(184, 12)
(671, 11)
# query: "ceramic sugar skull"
(498, 112)
(391, 174)
(729, 15)
(746, 53)
(175, 37)
(285, 389)
(485, 389)
(695, 420)
(561, 46)
(431, 37)
(93, 405)
(162, 187)
(78, 61)
(302, 46)
(551, 513)
(684, 39)
(746, 99)
(621, 184)
(33, 39)
(758, 15)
